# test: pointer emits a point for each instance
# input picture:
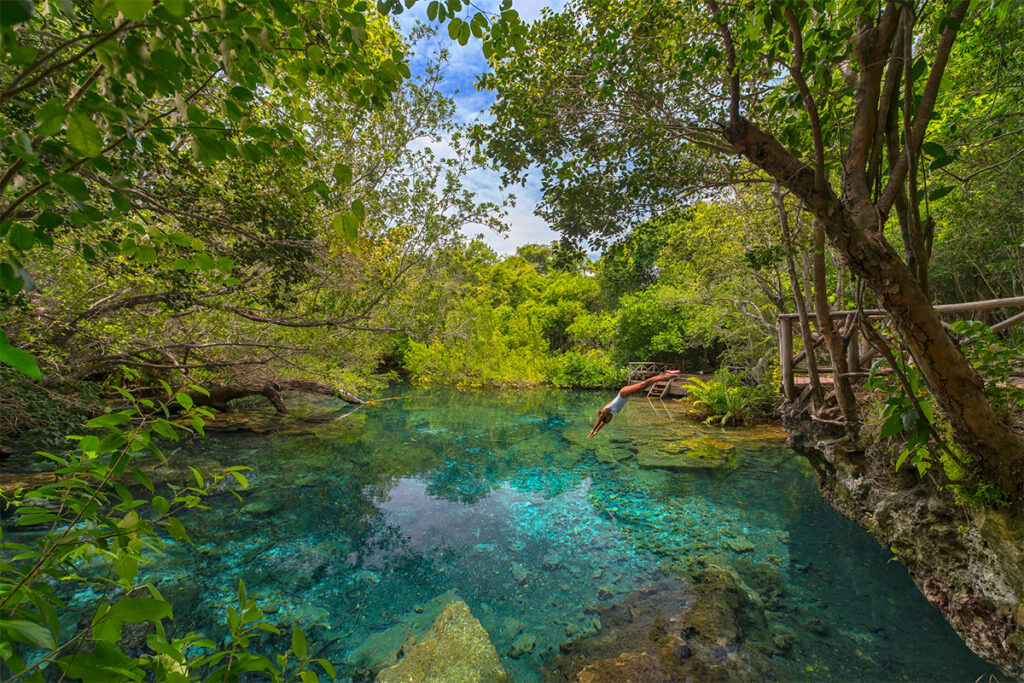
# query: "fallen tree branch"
(220, 395)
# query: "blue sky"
(464, 65)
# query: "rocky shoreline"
(968, 563)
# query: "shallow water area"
(354, 524)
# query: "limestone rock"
(511, 627)
(519, 573)
(552, 561)
(629, 666)
(522, 645)
(699, 453)
(739, 545)
(383, 648)
(712, 630)
(455, 650)
(968, 563)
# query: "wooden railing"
(795, 367)
(641, 370)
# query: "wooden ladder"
(660, 388)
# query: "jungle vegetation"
(202, 201)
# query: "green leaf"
(16, 11)
(359, 210)
(343, 174)
(127, 567)
(109, 420)
(934, 149)
(328, 667)
(21, 238)
(107, 626)
(22, 361)
(184, 400)
(940, 192)
(298, 643)
(942, 162)
(903, 457)
(83, 135)
(309, 677)
(204, 261)
(350, 226)
(454, 27)
(73, 185)
(29, 632)
(136, 10)
(145, 254)
(224, 265)
(177, 530)
(50, 116)
(892, 426)
(177, 8)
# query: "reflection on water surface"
(352, 527)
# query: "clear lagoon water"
(353, 524)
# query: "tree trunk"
(798, 297)
(833, 341)
(848, 223)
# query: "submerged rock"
(552, 561)
(698, 453)
(519, 573)
(739, 545)
(456, 650)
(511, 627)
(629, 666)
(383, 648)
(259, 508)
(522, 645)
(712, 630)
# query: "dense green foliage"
(202, 200)
(889, 126)
(198, 201)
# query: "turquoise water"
(352, 526)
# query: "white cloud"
(464, 64)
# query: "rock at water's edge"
(969, 564)
(457, 649)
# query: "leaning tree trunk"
(851, 225)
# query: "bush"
(727, 400)
(584, 369)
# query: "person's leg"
(633, 389)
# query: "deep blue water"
(352, 526)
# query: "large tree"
(627, 107)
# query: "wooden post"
(786, 357)
(853, 351)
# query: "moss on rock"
(457, 649)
